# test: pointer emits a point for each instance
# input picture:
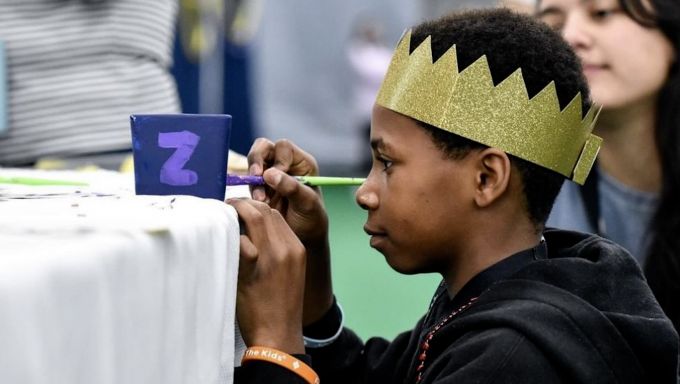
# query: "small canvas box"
(181, 154)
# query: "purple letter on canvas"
(172, 172)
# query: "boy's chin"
(405, 267)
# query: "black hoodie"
(583, 313)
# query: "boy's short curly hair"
(510, 41)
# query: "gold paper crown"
(468, 104)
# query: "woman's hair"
(663, 260)
(510, 41)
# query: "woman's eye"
(601, 14)
(554, 20)
(557, 27)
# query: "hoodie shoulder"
(589, 298)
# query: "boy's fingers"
(282, 155)
(254, 215)
(261, 153)
(249, 254)
(289, 187)
(291, 159)
(259, 194)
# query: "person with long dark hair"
(629, 53)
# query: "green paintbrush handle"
(320, 181)
(39, 181)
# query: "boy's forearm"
(318, 285)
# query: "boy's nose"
(365, 197)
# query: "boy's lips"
(376, 236)
(373, 232)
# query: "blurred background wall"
(283, 70)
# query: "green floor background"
(377, 300)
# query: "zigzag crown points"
(503, 116)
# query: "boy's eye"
(386, 163)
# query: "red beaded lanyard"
(430, 335)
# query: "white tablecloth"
(100, 286)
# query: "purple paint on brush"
(244, 180)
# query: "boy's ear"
(493, 176)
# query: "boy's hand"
(302, 208)
(271, 279)
(299, 204)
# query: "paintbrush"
(316, 181)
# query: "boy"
(464, 174)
